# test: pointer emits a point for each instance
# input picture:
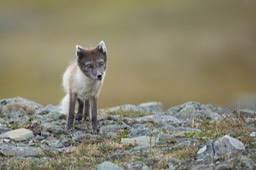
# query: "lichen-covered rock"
(141, 140)
(226, 146)
(18, 104)
(205, 154)
(18, 134)
(191, 110)
(108, 166)
(4, 129)
(10, 150)
(246, 163)
(151, 107)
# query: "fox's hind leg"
(79, 115)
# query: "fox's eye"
(88, 65)
(101, 63)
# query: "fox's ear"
(102, 47)
(79, 51)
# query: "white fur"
(85, 88)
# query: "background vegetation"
(170, 51)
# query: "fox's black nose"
(99, 77)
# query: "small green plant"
(122, 134)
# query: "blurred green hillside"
(169, 51)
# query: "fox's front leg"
(79, 115)
(71, 113)
(94, 115)
(86, 109)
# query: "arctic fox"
(82, 82)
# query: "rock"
(79, 135)
(191, 110)
(174, 163)
(136, 165)
(4, 129)
(18, 104)
(142, 130)
(202, 167)
(151, 107)
(55, 143)
(248, 113)
(45, 134)
(205, 154)
(56, 127)
(226, 146)
(112, 130)
(223, 166)
(253, 134)
(18, 134)
(126, 107)
(148, 107)
(158, 118)
(48, 109)
(108, 166)
(141, 140)
(9, 150)
(19, 100)
(246, 163)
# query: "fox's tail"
(65, 104)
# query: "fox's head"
(92, 62)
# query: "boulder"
(9, 150)
(21, 134)
(226, 146)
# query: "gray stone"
(138, 130)
(141, 140)
(56, 127)
(55, 116)
(136, 165)
(9, 150)
(47, 109)
(106, 165)
(246, 163)
(253, 134)
(191, 110)
(78, 136)
(151, 106)
(158, 118)
(203, 167)
(154, 107)
(205, 154)
(45, 134)
(226, 146)
(223, 166)
(20, 100)
(18, 134)
(113, 129)
(4, 129)
(173, 163)
(59, 143)
(248, 113)
(126, 107)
